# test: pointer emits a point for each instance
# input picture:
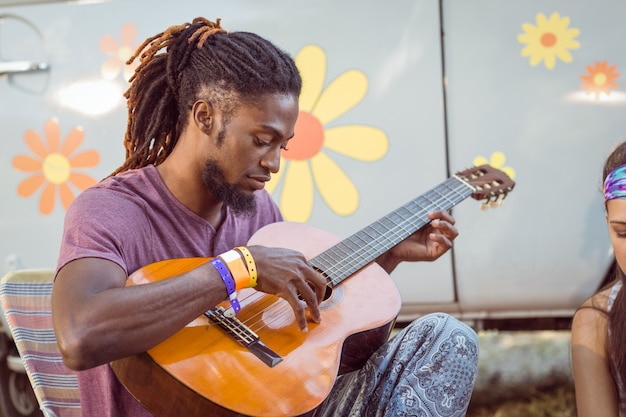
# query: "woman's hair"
(617, 314)
(190, 62)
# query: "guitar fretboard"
(350, 255)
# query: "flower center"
(124, 53)
(599, 79)
(56, 168)
(308, 138)
(548, 39)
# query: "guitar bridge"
(243, 335)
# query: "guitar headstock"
(490, 184)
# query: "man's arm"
(97, 319)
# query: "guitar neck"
(350, 255)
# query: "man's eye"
(262, 142)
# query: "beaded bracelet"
(229, 282)
(237, 268)
(250, 264)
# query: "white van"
(409, 92)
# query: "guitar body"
(203, 371)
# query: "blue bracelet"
(230, 285)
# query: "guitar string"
(338, 265)
(270, 306)
(334, 269)
(400, 230)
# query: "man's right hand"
(287, 274)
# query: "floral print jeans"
(428, 369)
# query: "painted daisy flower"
(119, 53)
(497, 160)
(599, 79)
(549, 39)
(307, 164)
(53, 166)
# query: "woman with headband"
(599, 325)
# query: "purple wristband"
(229, 282)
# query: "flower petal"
(549, 61)
(67, 195)
(129, 70)
(108, 45)
(81, 181)
(363, 143)
(337, 190)
(128, 33)
(72, 141)
(46, 201)
(556, 21)
(564, 55)
(110, 68)
(296, 202)
(480, 160)
(345, 92)
(542, 20)
(26, 163)
(311, 61)
(509, 171)
(87, 159)
(52, 132)
(30, 185)
(35, 143)
(497, 159)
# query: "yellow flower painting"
(599, 79)
(308, 165)
(119, 53)
(549, 39)
(497, 160)
(53, 166)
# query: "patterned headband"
(615, 184)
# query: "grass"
(555, 402)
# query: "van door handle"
(15, 67)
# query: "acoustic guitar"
(258, 363)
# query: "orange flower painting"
(599, 79)
(118, 53)
(53, 166)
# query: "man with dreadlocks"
(209, 114)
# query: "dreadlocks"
(197, 56)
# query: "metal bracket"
(17, 67)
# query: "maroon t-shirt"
(133, 220)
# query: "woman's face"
(616, 221)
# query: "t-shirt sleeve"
(95, 225)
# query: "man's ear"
(203, 115)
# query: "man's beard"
(230, 194)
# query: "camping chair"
(25, 300)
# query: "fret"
(347, 257)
